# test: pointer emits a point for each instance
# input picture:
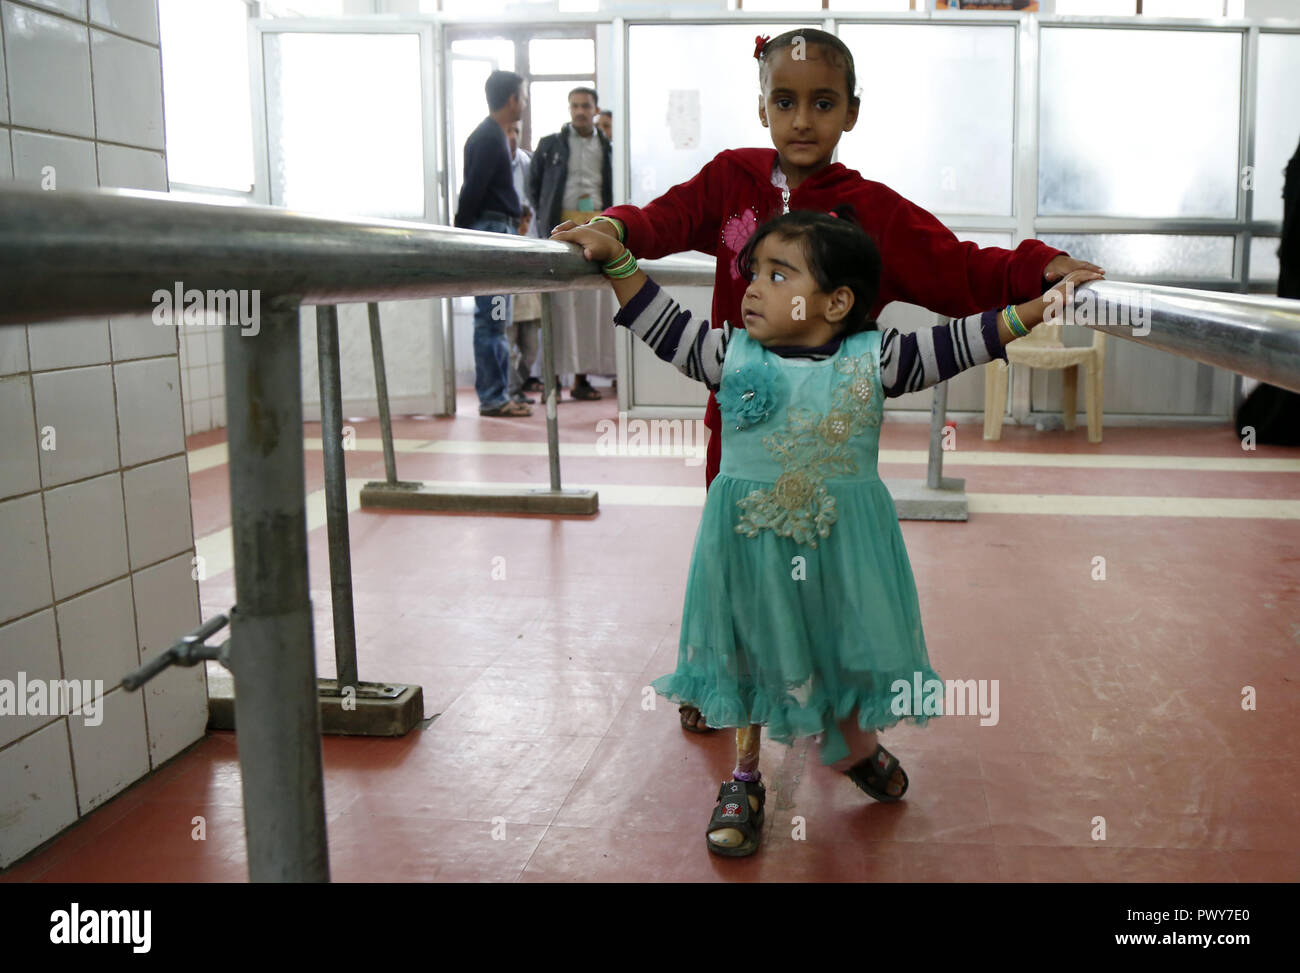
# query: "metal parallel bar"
(381, 393)
(272, 656)
(1242, 333)
(550, 394)
(938, 413)
(106, 252)
(336, 495)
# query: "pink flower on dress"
(736, 234)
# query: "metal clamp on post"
(190, 650)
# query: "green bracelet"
(622, 230)
(1014, 323)
(622, 266)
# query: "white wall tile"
(216, 342)
(138, 337)
(166, 604)
(128, 90)
(149, 409)
(6, 153)
(177, 703)
(196, 343)
(139, 18)
(67, 344)
(48, 61)
(217, 381)
(202, 411)
(4, 92)
(158, 510)
(219, 413)
(189, 418)
(97, 634)
(78, 404)
(72, 160)
(19, 471)
(24, 573)
(197, 383)
(30, 646)
(132, 168)
(167, 607)
(73, 8)
(111, 755)
(87, 530)
(37, 799)
(13, 349)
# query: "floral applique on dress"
(811, 448)
(735, 234)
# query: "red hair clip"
(760, 41)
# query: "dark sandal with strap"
(874, 775)
(733, 811)
(688, 725)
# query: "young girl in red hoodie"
(807, 101)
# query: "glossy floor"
(1121, 752)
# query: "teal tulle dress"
(801, 606)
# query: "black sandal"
(874, 774)
(733, 811)
(692, 727)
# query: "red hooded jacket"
(718, 209)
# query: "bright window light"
(206, 98)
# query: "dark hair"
(595, 98)
(838, 51)
(501, 85)
(839, 254)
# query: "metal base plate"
(497, 500)
(377, 709)
(917, 501)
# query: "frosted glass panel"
(1264, 264)
(781, 6)
(1182, 8)
(345, 127)
(562, 56)
(696, 93)
(892, 6)
(1149, 254)
(209, 126)
(1277, 123)
(944, 138)
(500, 50)
(1158, 138)
(1097, 8)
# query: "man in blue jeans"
(488, 201)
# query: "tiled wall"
(95, 530)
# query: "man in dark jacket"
(572, 173)
(488, 201)
(1274, 413)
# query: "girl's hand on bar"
(596, 244)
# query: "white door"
(347, 127)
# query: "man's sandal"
(733, 811)
(874, 775)
(692, 725)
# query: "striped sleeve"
(692, 347)
(910, 362)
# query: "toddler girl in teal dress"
(801, 611)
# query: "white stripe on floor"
(212, 456)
